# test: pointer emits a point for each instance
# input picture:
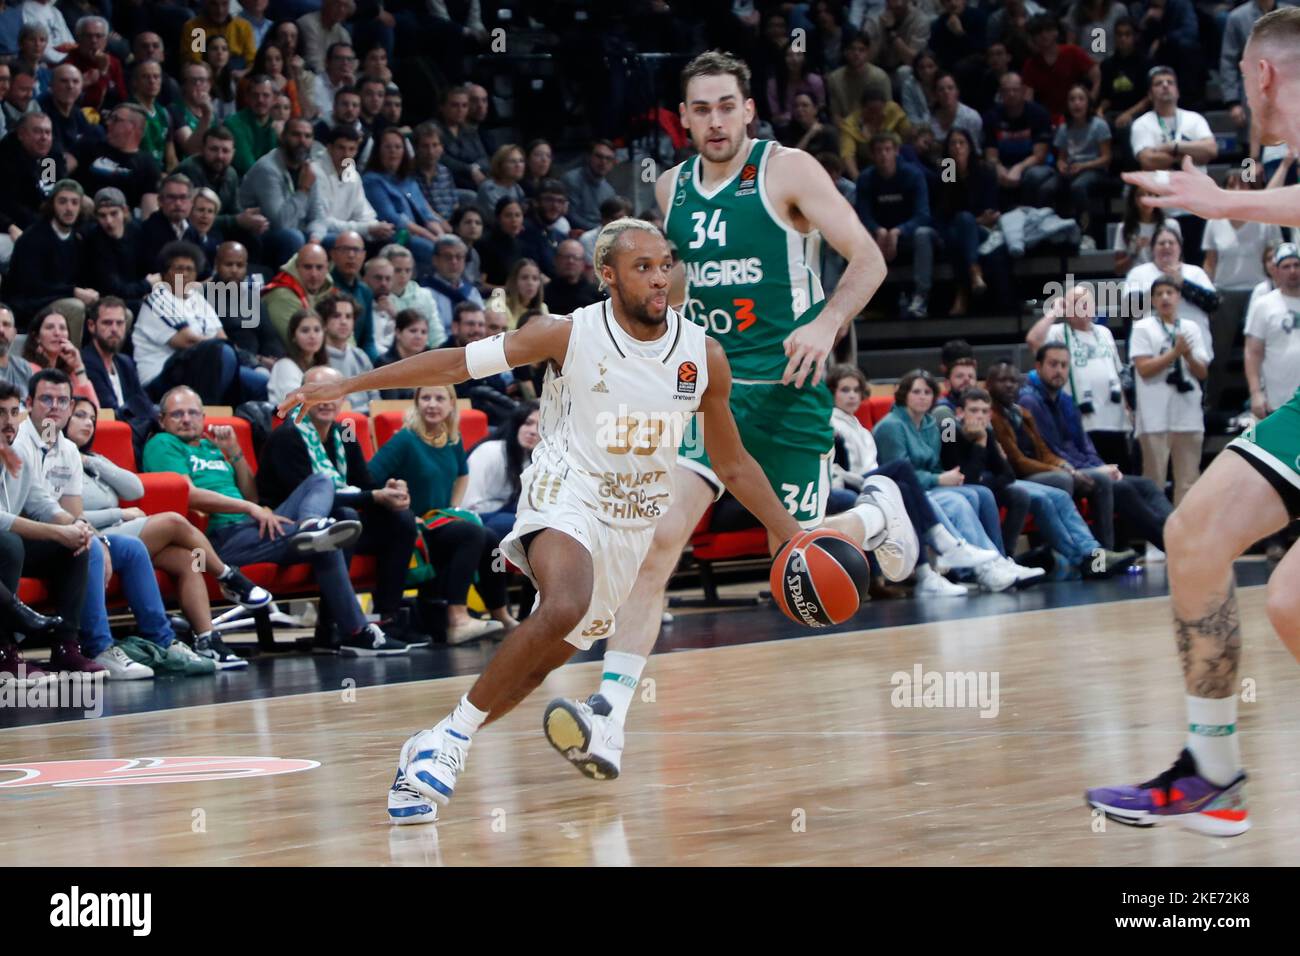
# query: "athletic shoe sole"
(894, 565)
(1196, 822)
(568, 733)
(346, 651)
(336, 537)
(406, 807)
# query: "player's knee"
(1184, 536)
(561, 613)
(1283, 607)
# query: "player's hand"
(307, 395)
(807, 348)
(1190, 189)
(1259, 406)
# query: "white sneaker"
(584, 733)
(406, 805)
(1023, 573)
(120, 667)
(965, 555)
(435, 760)
(1154, 555)
(995, 576)
(473, 630)
(896, 546)
(936, 585)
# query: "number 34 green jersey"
(751, 279)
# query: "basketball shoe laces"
(1184, 766)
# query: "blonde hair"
(448, 433)
(496, 166)
(203, 192)
(609, 236)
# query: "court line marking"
(900, 628)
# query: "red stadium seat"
(874, 409)
(361, 426)
(473, 426)
(708, 547)
(113, 441)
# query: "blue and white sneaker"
(585, 735)
(436, 759)
(406, 805)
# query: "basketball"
(820, 578)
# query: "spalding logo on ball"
(820, 578)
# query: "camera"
(1116, 393)
(1086, 406)
(1178, 380)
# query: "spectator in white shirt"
(346, 207)
(1163, 135)
(1198, 297)
(340, 72)
(46, 14)
(1233, 247)
(1171, 361)
(179, 339)
(319, 32)
(1132, 246)
(1273, 339)
(495, 467)
(1094, 381)
(306, 348)
(406, 293)
(1268, 283)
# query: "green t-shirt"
(429, 472)
(204, 464)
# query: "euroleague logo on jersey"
(687, 373)
(748, 180)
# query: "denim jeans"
(963, 521)
(985, 507)
(242, 544)
(134, 569)
(1059, 521)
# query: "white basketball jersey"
(611, 421)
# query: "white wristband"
(487, 357)
(1162, 177)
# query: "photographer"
(1093, 379)
(1171, 359)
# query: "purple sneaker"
(1179, 795)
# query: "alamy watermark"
(64, 691)
(946, 689)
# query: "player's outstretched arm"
(734, 466)
(797, 181)
(542, 339)
(1196, 192)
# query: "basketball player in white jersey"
(625, 378)
(747, 217)
(1250, 491)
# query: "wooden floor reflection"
(784, 753)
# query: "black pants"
(457, 550)
(390, 537)
(1142, 505)
(55, 567)
(1114, 449)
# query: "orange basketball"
(820, 578)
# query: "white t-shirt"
(1240, 251)
(1257, 293)
(59, 466)
(1185, 127)
(1274, 319)
(488, 488)
(163, 315)
(1160, 406)
(1094, 371)
(285, 377)
(861, 448)
(1139, 280)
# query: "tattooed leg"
(1209, 646)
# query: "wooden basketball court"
(789, 752)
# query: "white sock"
(1212, 737)
(619, 682)
(872, 518)
(467, 718)
(224, 575)
(941, 539)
